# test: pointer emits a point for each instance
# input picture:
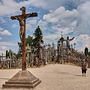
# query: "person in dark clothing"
(84, 67)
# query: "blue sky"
(71, 17)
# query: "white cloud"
(31, 23)
(0, 38)
(5, 32)
(8, 45)
(2, 20)
(14, 26)
(75, 21)
(50, 38)
(54, 16)
(54, 4)
(40, 3)
(56, 36)
(43, 25)
(58, 19)
(61, 15)
(2, 49)
(83, 25)
(7, 7)
(82, 41)
(11, 6)
(85, 40)
(62, 20)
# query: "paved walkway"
(53, 77)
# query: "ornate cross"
(22, 21)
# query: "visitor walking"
(84, 66)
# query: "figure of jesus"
(22, 22)
(68, 42)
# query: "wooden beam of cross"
(22, 21)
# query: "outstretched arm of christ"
(21, 22)
(31, 15)
(14, 17)
(71, 39)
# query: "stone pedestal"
(22, 79)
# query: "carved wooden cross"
(22, 21)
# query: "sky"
(69, 17)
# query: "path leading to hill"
(53, 77)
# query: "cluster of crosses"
(48, 53)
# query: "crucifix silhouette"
(22, 22)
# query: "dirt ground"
(53, 77)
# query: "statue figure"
(68, 42)
(22, 22)
(21, 31)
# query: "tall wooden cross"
(22, 21)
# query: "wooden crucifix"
(22, 21)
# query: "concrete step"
(19, 85)
(22, 82)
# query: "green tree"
(89, 53)
(19, 54)
(10, 53)
(29, 40)
(86, 51)
(38, 40)
(7, 54)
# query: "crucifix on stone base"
(24, 78)
(22, 21)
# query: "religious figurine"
(68, 42)
(22, 22)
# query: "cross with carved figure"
(22, 22)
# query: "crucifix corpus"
(22, 22)
(24, 78)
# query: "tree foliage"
(89, 53)
(34, 42)
(86, 51)
(29, 40)
(9, 54)
(38, 40)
